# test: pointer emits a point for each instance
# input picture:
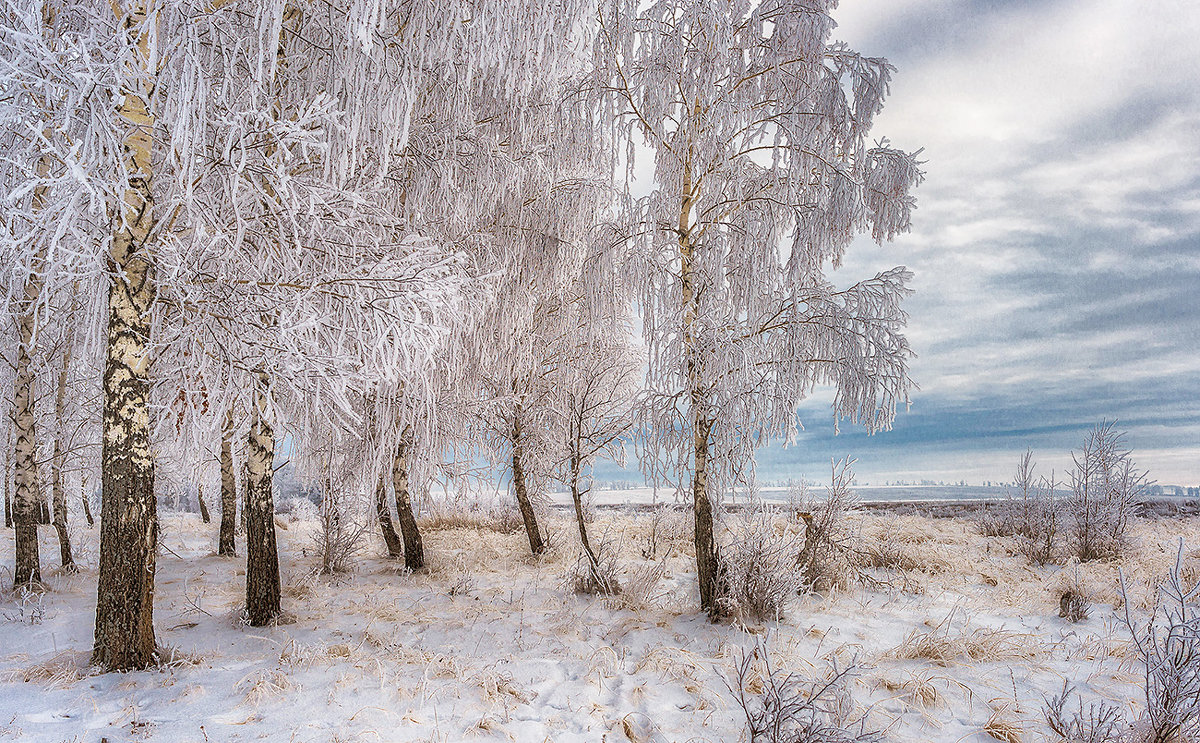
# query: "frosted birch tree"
(757, 125)
(28, 119)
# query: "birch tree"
(129, 516)
(756, 124)
(31, 299)
(597, 389)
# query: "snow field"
(960, 641)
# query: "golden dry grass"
(947, 642)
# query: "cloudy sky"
(1057, 243)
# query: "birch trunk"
(25, 508)
(414, 548)
(395, 547)
(706, 549)
(706, 553)
(85, 498)
(203, 506)
(527, 514)
(8, 475)
(60, 498)
(262, 557)
(28, 508)
(225, 544)
(124, 637)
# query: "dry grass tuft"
(300, 585)
(917, 689)
(1003, 727)
(945, 643)
(1073, 595)
(58, 672)
(907, 547)
(263, 684)
(499, 686)
(643, 588)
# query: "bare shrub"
(1032, 514)
(1105, 488)
(1097, 723)
(829, 558)
(1074, 600)
(997, 520)
(785, 708)
(757, 571)
(668, 529)
(341, 533)
(1168, 649)
(598, 577)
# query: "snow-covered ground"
(490, 644)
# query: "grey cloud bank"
(1057, 243)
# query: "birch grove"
(394, 239)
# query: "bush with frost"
(1106, 486)
(787, 708)
(757, 575)
(1167, 646)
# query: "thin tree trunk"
(60, 498)
(706, 552)
(225, 544)
(518, 475)
(395, 547)
(706, 549)
(577, 499)
(262, 557)
(43, 505)
(244, 521)
(26, 509)
(28, 505)
(8, 473)
(414, 548)
(43, 508)
(124, 637)
(203, 506)
(85, 497)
